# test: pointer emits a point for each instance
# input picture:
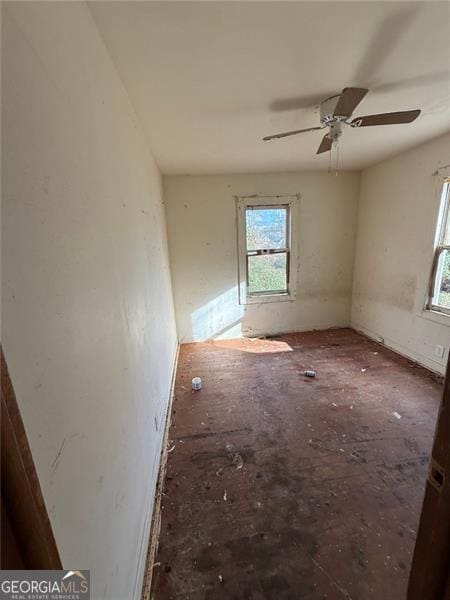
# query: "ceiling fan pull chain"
(337, 158)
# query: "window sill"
(436, 316)
(269, 298)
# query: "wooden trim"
(20, 488)
(155, 527)
(431, 562)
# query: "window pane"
(267, 273)
(446, 204)
(446, 241)
(443, 281)
(266, 228)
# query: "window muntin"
(439, 297)
(267, 249)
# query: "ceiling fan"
(336, 112)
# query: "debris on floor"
(197, 383)
(238, 461)
(255, 493)
(310, 373)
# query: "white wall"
(88, 323)
(398, 210)
(201, 220)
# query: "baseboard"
(274, 332)
(254, 333)
(424, 361)
(155, 527)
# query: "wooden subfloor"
(282, 487)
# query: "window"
(265, 248)
(439, 296)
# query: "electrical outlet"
(439, 351)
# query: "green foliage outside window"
(444, 294)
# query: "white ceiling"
(209, 79)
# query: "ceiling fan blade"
(349, 100)
(281, 135)
(325, 144)
(393, 118)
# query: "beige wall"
(88, 323)
(201, 220)
(398, 210)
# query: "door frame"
(20, 488)
(430, 572)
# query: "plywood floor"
(281, 487)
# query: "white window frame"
(291, 202)
(439, 247)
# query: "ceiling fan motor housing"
(329, 119)
(327, 108)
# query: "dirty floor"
(282, 487)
